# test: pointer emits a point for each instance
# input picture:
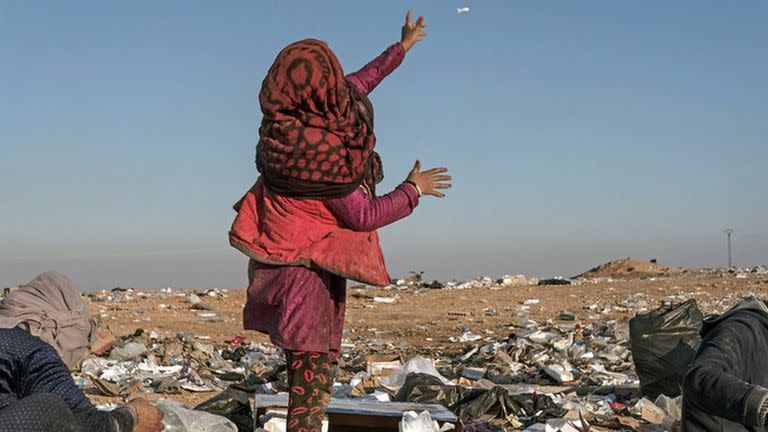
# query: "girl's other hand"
(428, 182)
(412, 33)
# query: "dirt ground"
(421, 321)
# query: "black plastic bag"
(476, 404)
(664, 342)
(492, 404)
(425, 388)
(232, 404)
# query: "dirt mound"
(629, 268)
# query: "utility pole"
(729, 233)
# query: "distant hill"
(629, 268)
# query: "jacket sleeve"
(359, 212)
(367, 78)
(710, 384)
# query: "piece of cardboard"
(382, 365)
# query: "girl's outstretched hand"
(412, 33)
(428, 182)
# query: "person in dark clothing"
(38, 412)
(726, 386)
(38, 394)
(44, 330)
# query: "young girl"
(310, 221)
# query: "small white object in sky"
(462, 10)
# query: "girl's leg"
(310, 378)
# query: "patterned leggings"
(310, 378)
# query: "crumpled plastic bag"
(415, 365)
(664, 342)
(673, 407)
(232, 404)
(413, 422)
(424, 388)
(180, 419)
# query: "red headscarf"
(316, 136)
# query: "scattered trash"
(459, 314)
(128, 351)
(413, 422)
(232, 404)
(193, 299)
(107, 388)
(177, 418)
(384, 299)
(555, 281)
(237, 341)
(473, 373)
(524, 365)
(379, 365)
(414, 365)
(673, 407)
(517, 280)
(561, 373)
(648, 411)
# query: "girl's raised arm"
(370, 75)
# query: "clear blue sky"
(576, 132)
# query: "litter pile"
(587, 369)
(414, 280)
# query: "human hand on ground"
(412, 32)
(148, 417)
(428, 182)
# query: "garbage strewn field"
(521, 353)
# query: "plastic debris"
(422, 422)
(517, 280)
(384, 299)
(523, 365)
(177, 418)
(414, 365)
(561, 373)
(128, 351)
(462, 10)
(648, 411)
(237, 341)
(555, 281)
(232, 404)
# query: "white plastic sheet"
(413, 422)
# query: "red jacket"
(290, 231)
